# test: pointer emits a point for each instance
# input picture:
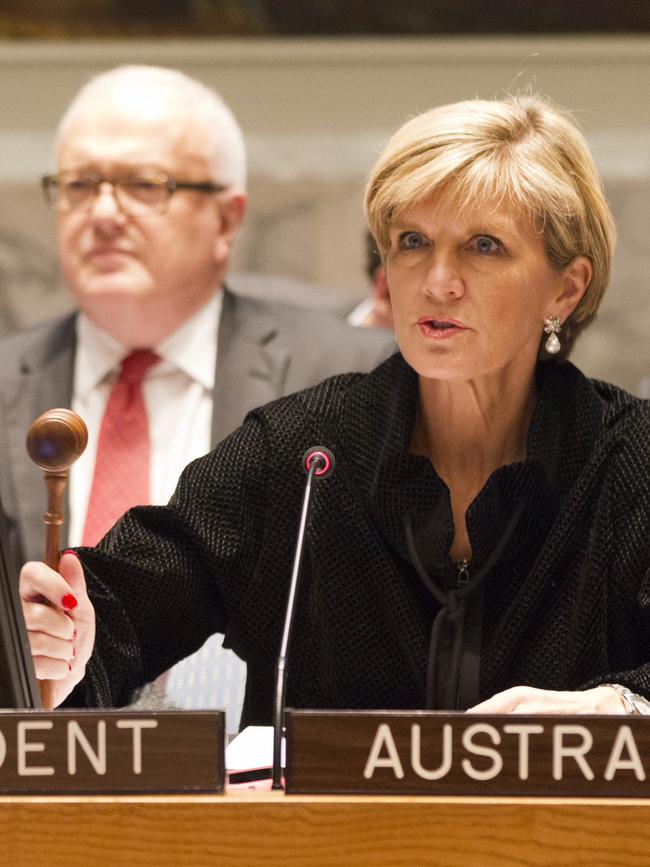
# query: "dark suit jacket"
(265, 350)
(559, 547)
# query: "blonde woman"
(483, 543)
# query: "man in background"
(375, 311)
(160, 359)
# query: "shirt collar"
(97, 354)
(191, 348)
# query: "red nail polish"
(69, 602)
(71, 551)
(69, 667)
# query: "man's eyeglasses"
(136, 196)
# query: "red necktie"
(121, 477)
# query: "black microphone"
(318, 462)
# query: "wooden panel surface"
(275, 829)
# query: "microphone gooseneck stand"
(318, 462)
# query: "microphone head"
(323, 458)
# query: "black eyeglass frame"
(50, 182)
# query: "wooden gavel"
(54, 442)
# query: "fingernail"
(74, 634)
(69, 667)
(69, 602)
(71, 551)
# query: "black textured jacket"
(559, 590)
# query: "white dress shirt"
(178, 393)
(361, 312)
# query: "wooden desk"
(274, 829)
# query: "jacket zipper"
(462, 577)
(462, 572)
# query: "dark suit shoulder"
(620, 404)
(24, 351)
(322, 345)
(283, 313)
(327, 401)
(626, 426)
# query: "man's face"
(173, 261)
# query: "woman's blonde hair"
(522, 150)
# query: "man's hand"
(60, 621)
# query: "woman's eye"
(486, 244)
(411, 241)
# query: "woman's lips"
(440, 329)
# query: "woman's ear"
(575, 281)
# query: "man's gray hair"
(225, 148)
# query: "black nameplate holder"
(111, 751)
(448, 754)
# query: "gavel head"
(56, 439)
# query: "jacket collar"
(42, 379)
(566, 425)
(251, 361)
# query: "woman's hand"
(527, 699)
(60, 622)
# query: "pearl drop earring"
(552, 327)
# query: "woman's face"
(470, 289)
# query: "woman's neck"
(476, 426)
(468, 430)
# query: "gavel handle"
(55, 483)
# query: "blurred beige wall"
(315, 113)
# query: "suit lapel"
(251, 363)
(44, 381)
